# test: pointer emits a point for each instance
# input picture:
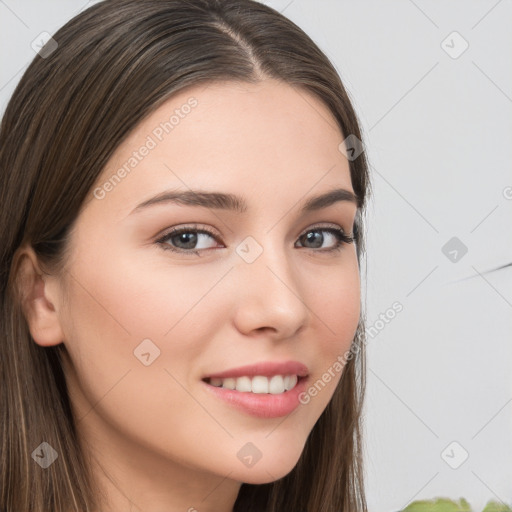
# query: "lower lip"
(261, 405)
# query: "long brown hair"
(113, 65)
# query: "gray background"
(438, 133)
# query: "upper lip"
(265, 369)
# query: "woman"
(183, 189)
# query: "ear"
(39, 299)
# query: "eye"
(191, 239)
(316, 238)
(185, 239)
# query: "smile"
(274, 385)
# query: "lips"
(264, 369)
(261, 405)
(267, 389)
(265, 377)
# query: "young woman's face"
(150, 317)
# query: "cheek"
(334, 298)
(336, 307)
(111, 310)
(117, 304)
(136, 297)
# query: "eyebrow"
(223, 201)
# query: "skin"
(164, 442)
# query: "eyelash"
(343, 238)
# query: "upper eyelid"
(192, 227)
(206, 230)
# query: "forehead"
(257, 138)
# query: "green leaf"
(440, 505)
(494, 506)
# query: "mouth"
(264, 390)
(259, 384)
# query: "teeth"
(258, 384)
(290, 381)
(243, 384)
(276, 385)
(229, 383)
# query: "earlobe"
(37, 304)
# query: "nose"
(269, 297)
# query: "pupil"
(192, 238)
(312, 235)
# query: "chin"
(265, 472)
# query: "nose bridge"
(271, 293)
